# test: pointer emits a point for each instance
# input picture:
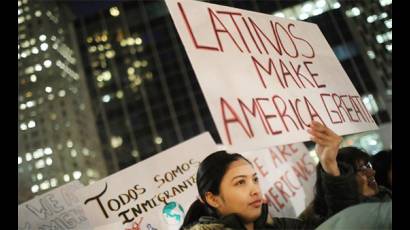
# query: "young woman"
(230, 196)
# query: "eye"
(240, 182)
(256, 179)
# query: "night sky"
(86, 7)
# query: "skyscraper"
(57, 138)
(144, 91)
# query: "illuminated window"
(40, 164)
(370, 103)
(138, 41)
(48, 151)
(92, 49)
(37, 13)
(135, 153)
(388, 23)
(44, 46)
(106, 98)
(385, 2)
(23, 126)
(137, 64)
(86, 152)
(20, 20)
(119, 94)
(76, 175)
(110, 54)
(20, 160)
(45, 185)
(50, 97)
(34, 188)
(379, 38)
(33, 78)
(49, 161)
(114, 11)
(28, 157)
(42, 37)
(89, 39)
(19, 11)
(31, 124)
(53, 182)
(116, 141)
(34, 50)
(48, 89)
(47, 63)
(73, 153)
(371, 18)
(38, 67)
(38, 153)
(158, 140)
(69, 144)
(355, 11)
(66, 178)
(61, 93)
(371, 54)
(22, 106)
(39, 176)
(389, 47)
(131, 71)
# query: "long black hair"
(208, 179)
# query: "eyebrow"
(240, 176)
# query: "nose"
(255, 190)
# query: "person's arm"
(327, 146)
(338, 180)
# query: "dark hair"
(351, 155)
(208, 179)
(347, 155)
(382, 164)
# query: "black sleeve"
(340, 191)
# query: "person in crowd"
(361, 186)
(382, 163)
(229, 192)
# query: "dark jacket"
(340, 192)
(234, 222)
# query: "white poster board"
(287, 176)
(266, 78)
(137, 196)
(56, 209)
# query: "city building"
(57, 136)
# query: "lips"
(256, 203)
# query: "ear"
(213, 200)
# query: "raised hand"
(327, 146)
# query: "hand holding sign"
(327, 146)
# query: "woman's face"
(240, 192)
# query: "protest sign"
(56, 209)
(152, 194)
(266, 78)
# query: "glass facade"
(57, 140)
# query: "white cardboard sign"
(56, 209)
(266, 78)
(287, 176)
(152, 194)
